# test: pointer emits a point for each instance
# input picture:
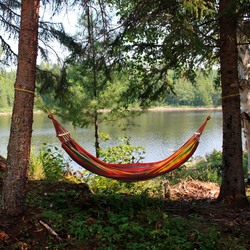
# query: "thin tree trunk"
(94, 70)
(22, 116)
(232, 188)
(97, 144)
(244, 76)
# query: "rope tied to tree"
(228, 96)
(37, 98)
(26, 90)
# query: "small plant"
(204, 169)
(49, 164)
(214, 161)
(123, 153)
(36, 171)
(245, 163)
(210, 167)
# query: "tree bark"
(18, 156)
(244, 84)
(232, 189)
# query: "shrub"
(123, 153)
(49, 164)
(203, 169)
(210, 167)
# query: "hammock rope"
(130, 172)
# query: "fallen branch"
(51, 231)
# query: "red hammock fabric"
(132, 171)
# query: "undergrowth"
(99, 213)
(122, 221)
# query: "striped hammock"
(127, 172)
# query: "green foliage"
(202, 93)
(214, 161)
(88, 83)
(208, 168)
(123, 153)
(50, 164)
(7, 80)
(104, 185)
(125, 214)
(205, 172)
(126, 221)
(36, 171)
(151, 49)
(88, 99)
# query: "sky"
(68, 18)
(69, 21)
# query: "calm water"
(160, 133)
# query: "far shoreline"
(183, 108)
(10, 112)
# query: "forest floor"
(37, 230)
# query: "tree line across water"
(202, 93)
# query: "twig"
(51, 231)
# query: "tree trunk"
(97, 144)
(232, 188)
(244, 76)
(18, 156)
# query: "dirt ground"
(189, 197)
(200, 197)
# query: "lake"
(159, 132)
